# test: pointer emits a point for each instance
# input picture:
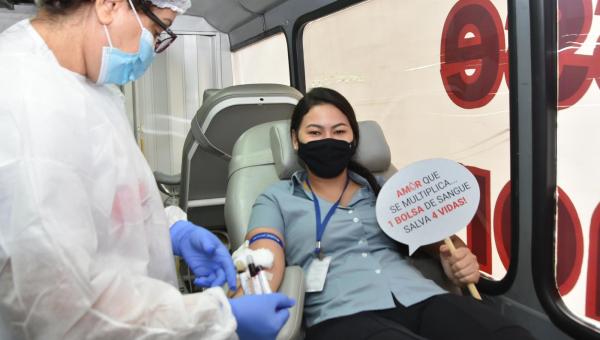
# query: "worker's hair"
(61, 7)
(64, 7)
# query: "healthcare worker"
(86, 250)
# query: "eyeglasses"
(166, 38)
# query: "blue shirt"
(366, 268)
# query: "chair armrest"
(168, 184)
(293, 286)
(163, 178)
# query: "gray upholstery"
(225, 114)
(373, 153)
(207, 93)
(293, 286)
(264, 155)
(251, 171)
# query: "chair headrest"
(268, 101)
(214, 96)
(373, 151)
(208, 93)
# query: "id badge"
(317, 273)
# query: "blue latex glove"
(204, 253)
(260, 317)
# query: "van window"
(577, 165)
(434, 75)
(265, 61)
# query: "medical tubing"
(254, 276)
(242, 271)
(244, 283)
(256, 285)
(264, 282)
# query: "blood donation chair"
(264, 155)
(224, 115)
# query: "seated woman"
(371, 290)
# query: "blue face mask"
(120, 67)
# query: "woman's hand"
(461, 267)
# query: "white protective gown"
(85, 251)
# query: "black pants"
(445, 317)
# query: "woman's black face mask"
(326, 158)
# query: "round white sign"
(427, 201)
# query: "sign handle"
(471, 286)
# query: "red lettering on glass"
(569, 244)
(473, 55)
(574, 72)
(592, 303)
(479, 236)
(504, 59)
(569, 238)
(595, 62)
(503, 224)
(471, 49)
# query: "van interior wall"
(226, 15)
(163, 102)
(283, 15)
(10, 17)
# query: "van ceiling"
(226, 15)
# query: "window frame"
(544, 58)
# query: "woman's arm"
(278, 253)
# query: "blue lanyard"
(321, 225)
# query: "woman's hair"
(322, 95)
